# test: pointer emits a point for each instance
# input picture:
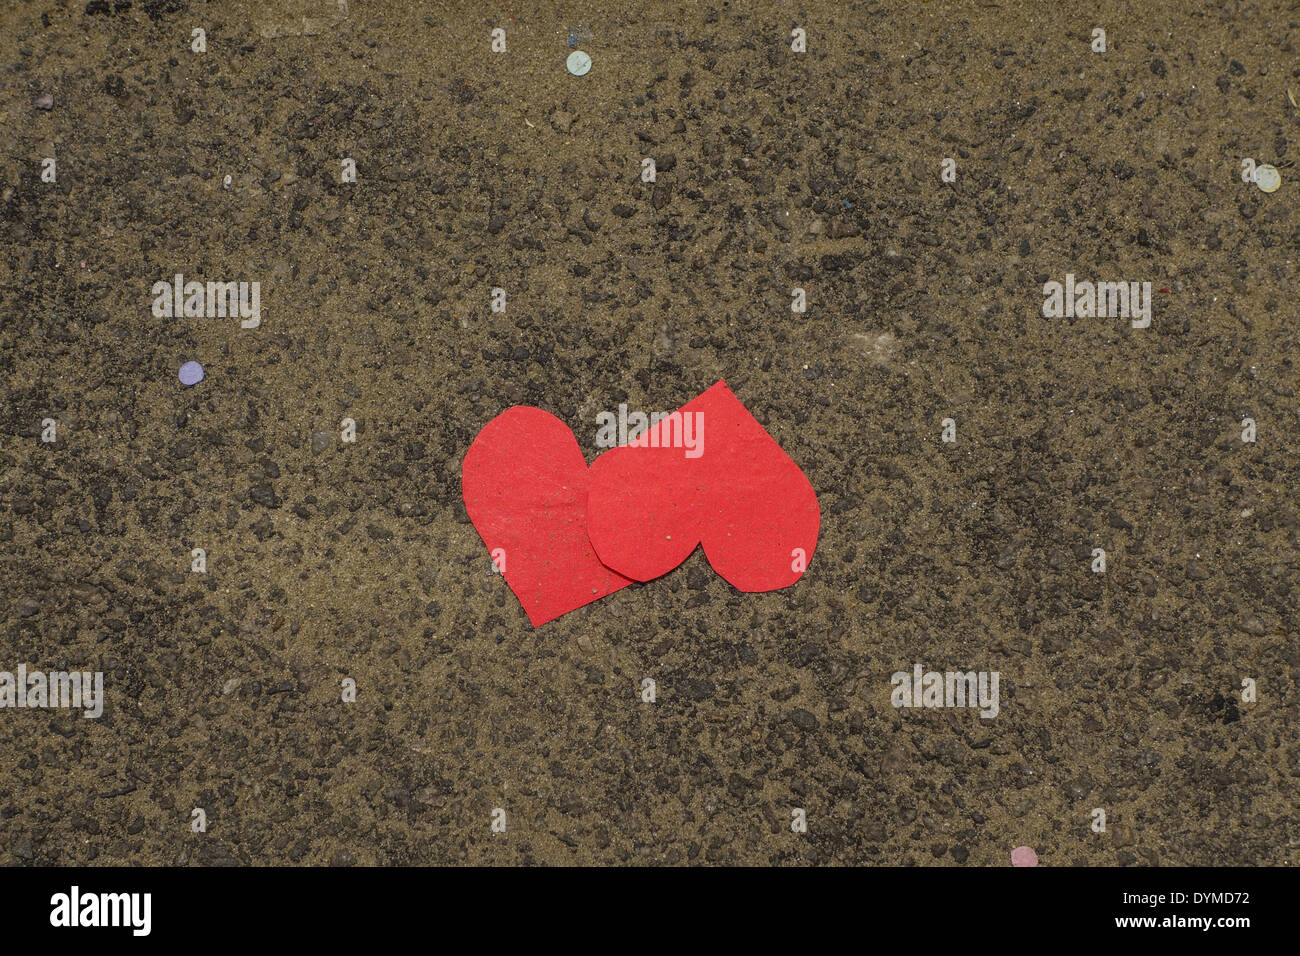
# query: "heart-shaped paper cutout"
(708, 474)
(524, 482)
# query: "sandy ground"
(325, 561)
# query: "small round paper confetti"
(578, 63)
(1024, 856)
(1267, 178)
(191, 373)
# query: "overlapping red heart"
(564, 535)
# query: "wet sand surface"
(328, 561)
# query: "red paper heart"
(524, 482)
(742, 498)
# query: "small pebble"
(191, 373)
(44, 102)
(578, 63)
(1024, 856)
(1267, 178)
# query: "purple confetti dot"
(191, 373)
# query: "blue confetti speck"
(191, 373)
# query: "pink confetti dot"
(1024, 856)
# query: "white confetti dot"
(578, 63)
